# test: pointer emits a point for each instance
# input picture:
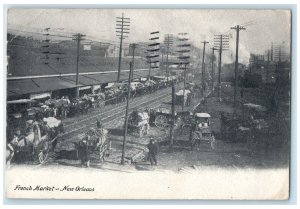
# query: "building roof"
(44, 84)
(202, 115)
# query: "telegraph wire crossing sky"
(262, 26)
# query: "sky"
(265, 26)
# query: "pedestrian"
(153, 150)
(99, 124)
(242, 93)
(189, 99)
(12, 147)
(83, 153)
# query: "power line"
(203, 67)
(237, 28)
(78, 37)
(122, 27)
(221, 43)
(212, 66)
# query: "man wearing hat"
(99, 124)
(153, 150)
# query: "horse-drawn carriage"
(115, 93)
(39, 139)
(183, 96)
(138, 122)
(196, 126)
(201, 131)
(97, 100)
(96, 142)
(163, 117)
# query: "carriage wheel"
(141, 130)
(161, 122)
(185, 129)
(195, 142)
(43, 153)
(212, 143)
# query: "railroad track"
(72, 135)
(109, 116)
(104, 111)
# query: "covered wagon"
(139, 121)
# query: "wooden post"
(126, 115)
(173, 117)
(184, 80)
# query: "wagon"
(164, 116)
(182, 96)
(41, 138)
(138, 122)
(202, 131)
(97, 143)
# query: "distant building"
(111, 51)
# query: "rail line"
(107, 111)
(152, 101)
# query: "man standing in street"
(153, 150)
(99, 124)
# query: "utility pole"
(184, 81)
(78, 38)
(268, 66)
(272, 50)
(237, 28)
(122, 27)
(173, 117)
(169, 40)
(153, 52)
(212, 67)
(126, 114)
(133, 46)
(46, 46)
(184, 58)
(203, 67)
(221, 42)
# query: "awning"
(40, 85)
(85, 87)
(40, 95)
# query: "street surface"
(226, 154)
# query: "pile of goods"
(138, 118)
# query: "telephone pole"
(78, 37)
(221, 43)
(122, 27)
(46, 46)
(272, 50)
(126, 115)
(133, 47)
(173, 117)
(203, 66)
(153, 52)
(184, 59)
(169, 40)
(213, 67)
(237, 28)
(268, 66)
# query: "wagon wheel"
(185, 129)
(212, 142)
(43, 153)
(195, 141)
(161, 122)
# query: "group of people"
(83, 146)
(83, 149)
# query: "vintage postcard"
(148, 104)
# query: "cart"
(202, 131)
(97, 143)
(41, 138)
(139, 122)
